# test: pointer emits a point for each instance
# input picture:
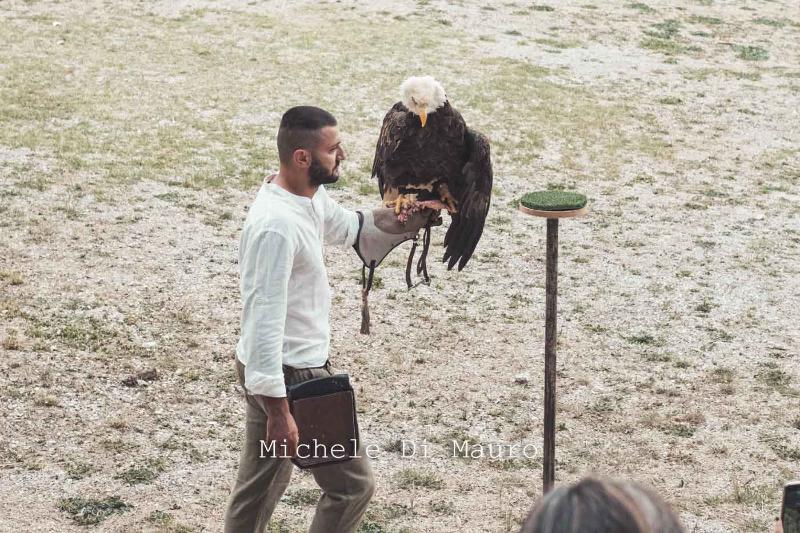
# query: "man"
(285, 333)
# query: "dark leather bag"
(324, 410)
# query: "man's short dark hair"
(300, 127)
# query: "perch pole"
(551, 205)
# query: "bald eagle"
(426, 156)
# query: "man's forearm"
(281, 427)
(274, 407)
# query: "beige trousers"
(260, 482)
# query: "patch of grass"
(774, 377)
(542, 8)
(368, 188)
(655, 357)
(519, 300)
(555, 43)
(47, 401)
(604, 404)
(678, 430)
(142, 474)
(442, 507)
(279, 526)
(167, 523)
(670, 100)
(11, 341)
(84, 333)
(702, 19)
(386, 513)
(77, 470)
(395, 446)
(746, 495)
(639, 6)
(411, 478)
(705, 307)
(644, 178)
(785, 451)
(722, 374)
(117, 445)
(13, 278)
(171, 197)
(683, 426)
(771, 22)
(302, 497)
(751, 53)
(705, 244)
(755, 525)
(378, 515)
(119, 423)
(368, 526)
(90, 511)
(645, 338)
(749, 76)
(667, 30)
(664, 46)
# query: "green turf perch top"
(545, 201)
(551, 205)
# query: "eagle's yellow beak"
(423, 117)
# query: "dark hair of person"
(601, 506)
(299, 129)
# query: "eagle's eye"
(414, 100)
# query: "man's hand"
(281, 427)
(386, 220)
(380, 232)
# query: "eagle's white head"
(422, 95)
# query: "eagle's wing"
(473, 193)
(391, 135)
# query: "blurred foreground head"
(601, 506)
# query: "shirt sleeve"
(341, 225)
(266, 265)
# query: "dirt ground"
(134, 135)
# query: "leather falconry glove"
(380, 232)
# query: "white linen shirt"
(286, 299)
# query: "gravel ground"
(135, 135)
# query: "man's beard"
(319, 175)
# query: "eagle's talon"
(447, 198)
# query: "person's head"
(309, 144)
(601, 506)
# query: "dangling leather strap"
(422, 264)
(366, 285)
(410, 262)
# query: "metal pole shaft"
(551, 288)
